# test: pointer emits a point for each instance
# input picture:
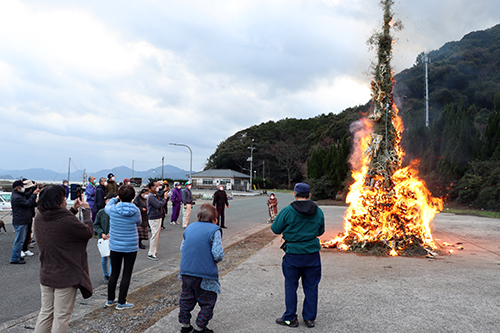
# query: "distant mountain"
(39, 174)
(169, 171)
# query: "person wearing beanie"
(112, 186)
(300, 223)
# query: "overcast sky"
(109, 82)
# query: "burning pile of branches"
(390, 209)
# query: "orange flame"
(398, 218)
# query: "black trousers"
(220, 216)
(28, 237)
(128, 260)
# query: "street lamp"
(251, 162)
(190, 160)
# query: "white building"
(232, 180)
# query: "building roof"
(220, 173)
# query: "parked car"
(5, 204)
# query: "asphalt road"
(19, 284)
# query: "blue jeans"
(104, 264)
(21, 231)
(307, 267)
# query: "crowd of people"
(121, 220)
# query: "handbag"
(103, 246)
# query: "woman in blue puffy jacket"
(123, 243)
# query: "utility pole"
(162, 161)
(132, 168)
(251, 162)
(426, 62)
(69, 168)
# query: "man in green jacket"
(300, 223)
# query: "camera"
(76, 191)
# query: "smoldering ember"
(390, 209)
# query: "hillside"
(462, 140)
(283, 147)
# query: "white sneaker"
(29, 253)
(23, 254)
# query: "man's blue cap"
(302, 187)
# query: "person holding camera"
(22, 206)
(62, 241)
(300, 223)
(155, 211)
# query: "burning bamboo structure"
(389, 207)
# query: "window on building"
(208, 181)
(225, 181)
(237, 182)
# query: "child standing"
(101, 228)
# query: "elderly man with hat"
(29, 187)
(21, 217)
(300, 223)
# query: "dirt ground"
(158, 299)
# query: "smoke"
(360, 130)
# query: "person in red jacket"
(272, 204)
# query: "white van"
(5, 201)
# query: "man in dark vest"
(201, 250)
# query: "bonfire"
(390, 208)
